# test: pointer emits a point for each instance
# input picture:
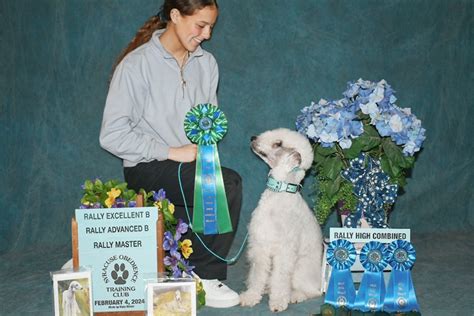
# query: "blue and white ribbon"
(400, 296)
(373, 190)
(374, 258)
(341, 255)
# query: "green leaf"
(354, 150)
(370, 138)
(330, 187)
(88, 185)
(384, 163)
(332, 167)
(394, 155)
(409, 162)
(201, 298)
(121, 186)
(325, 151)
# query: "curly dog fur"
(285, 244)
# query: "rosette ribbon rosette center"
(401, 295)
(374, 257)
(341, 255)
(205, 125)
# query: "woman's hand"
(186, 153)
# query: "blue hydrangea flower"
(330, 122)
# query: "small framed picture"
(171, 297)
(72, 293)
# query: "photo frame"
(72, 291)
(171, 297)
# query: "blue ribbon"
(341, 256)
(400, 295)
(208, 185)
(373, 190)
(374, 258)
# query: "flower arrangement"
(364, 144)
(115, 194)
(109, 194)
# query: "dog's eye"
(278, 143)
(262, 154)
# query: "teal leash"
(228, 261)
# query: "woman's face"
(194, 29)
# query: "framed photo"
(72, 293)
(172, 298)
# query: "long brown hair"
(160, 20)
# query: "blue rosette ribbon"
(205, 125)
(400, 296)
(374, 258)
(373, 191)
(341, 255)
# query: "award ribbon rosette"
(341, 255)
(374, 258)
(373, 190)
(400, 296)
(205, 125)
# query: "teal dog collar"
(281, 186)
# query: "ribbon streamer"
(401, 295)
(341, 255)
(206, 125)
(373, 190)
(374, 258)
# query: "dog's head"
(75, 286)
(284, 148)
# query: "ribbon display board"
(381, 249)
(120, 246)
(206, 125)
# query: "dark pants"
(157, 175)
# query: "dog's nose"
(253, 138)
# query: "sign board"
(363, 235)
(120, 246)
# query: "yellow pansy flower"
(115, 193)
(171, 208)
(199, 286)
(112, 195)
(186, 249)
(158, 204)
(109, 202)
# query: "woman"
(160, 76)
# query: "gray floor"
(443, 278)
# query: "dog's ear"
(297, 157)
(276, 144)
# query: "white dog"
(285, 244)
(70, 306)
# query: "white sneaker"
(219, 295)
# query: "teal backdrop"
(275, 57)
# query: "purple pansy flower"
(172, 263)
(160, 195)
(181, 229)
(170, 244)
